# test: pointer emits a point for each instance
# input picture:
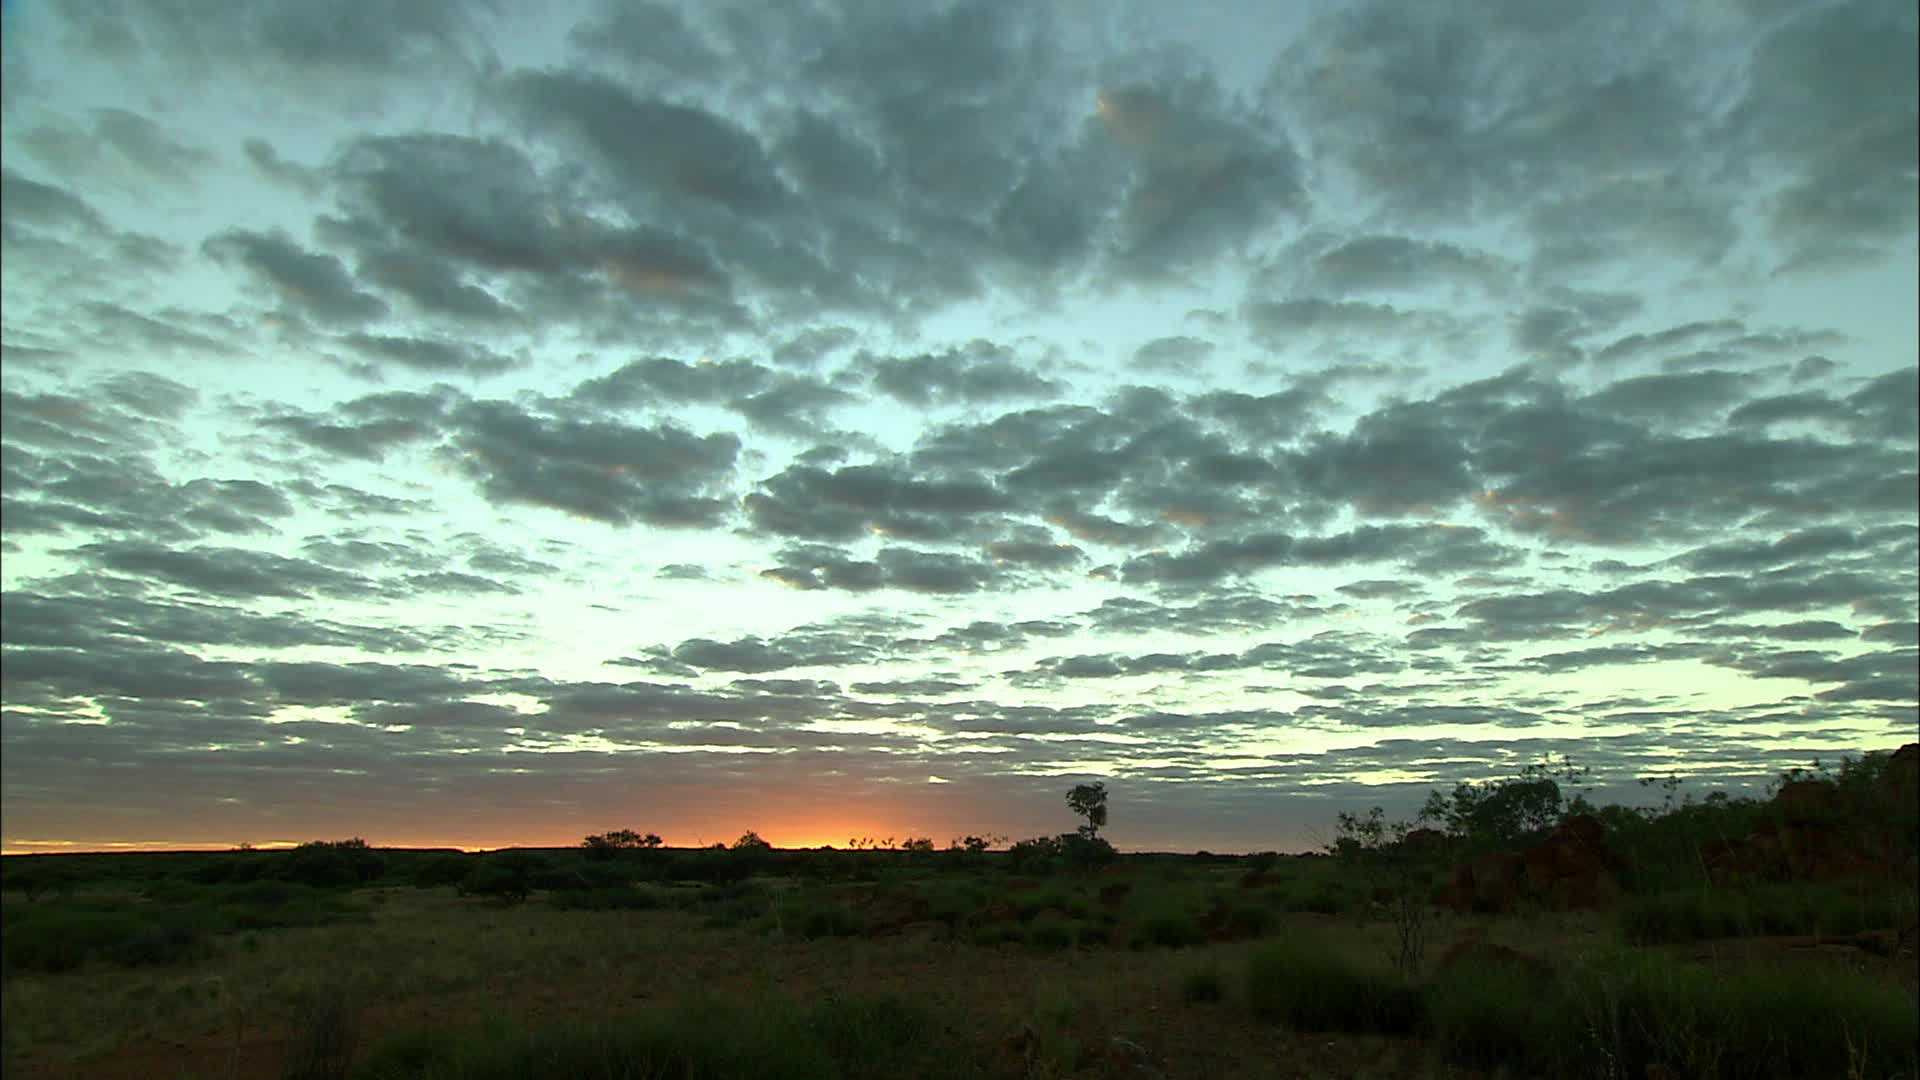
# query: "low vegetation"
(1511, 928)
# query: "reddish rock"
(1902, 777)
(1803, 802)
(1572, 868)
(1489, 883)
(1425, 841)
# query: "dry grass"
(430, 959)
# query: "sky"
(480, 425)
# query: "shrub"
(1308, 987)
(734, 905)
(1051, 932)
(1649, 1010)
(1795, 908)
(442, 870)
(1168, 930)
(1203, 986)
(1488, 1014)
(54, 940)
(1034, 856)
(332, 863)
(498, 879)
(1249, 920)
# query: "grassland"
(339, 961)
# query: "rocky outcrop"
(1815, 831)
(1572, 869)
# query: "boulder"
(1902, 778)
(1571, 868)
(1804, 802)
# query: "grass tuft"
(1309, 987)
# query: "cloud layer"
(507, 424)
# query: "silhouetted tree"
(1090, 802)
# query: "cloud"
(980, 373)
(1387, 263)
(614, 473)
(312, 284)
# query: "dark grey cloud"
(237, 573)
(652, 38)
(369, 426)
(907, 569)
(843, 504)
(147, 145)
(263, 157)
(1422, 549)
(674, 151)
(1172, 355)
(312, 284)
(109, 623)
(1695, 396)
(311, 52)
(979, 373)
(754, 655)
(1209, 173)
(27, 201)
(1831, 99)
(1386, 263)
(429, 355)
(601, 470)
(1288, 320)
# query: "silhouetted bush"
(440, 870)
(331, 863)
(504, 878)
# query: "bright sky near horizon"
(485, 424)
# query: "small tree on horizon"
(1090, 802)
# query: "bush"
(1051, 932)
(498, 879)
(440, 870)
(53, 940)
(1035, 856)
(1649, 1010)
(1798, 908)
(1203, 987)
(1308, 987)
(1168, 930)
(329, 864)
(1250, 920)
(1489, 1014)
